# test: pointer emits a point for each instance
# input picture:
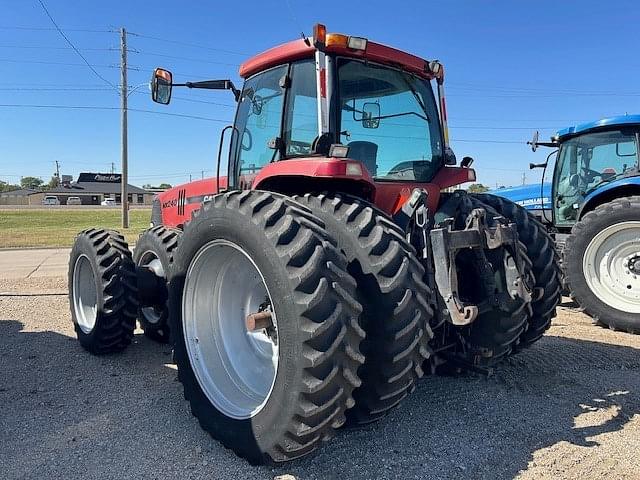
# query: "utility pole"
(524, 178)
(58, 170)
(124, 177)
(113, 167)
(202, 175)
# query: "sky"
(511, 68)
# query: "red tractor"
(315, 282)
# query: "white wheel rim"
(150, 260)
(85, 296)
(606, 266)
(235, 368)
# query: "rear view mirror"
(371, 115)
(161, 83)
(626, 149)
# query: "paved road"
(33, 263)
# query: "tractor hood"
(527, 196)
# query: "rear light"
(339, 40)
(354, 169)
(338, 151)
(357, 43)
(471, 175)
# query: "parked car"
(74, 201)
(108, 202)
(50, 200)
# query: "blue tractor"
(595, 215)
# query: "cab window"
(258, 120)
(301, 113)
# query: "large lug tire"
(598, 259)
(102, 291)
(275, 394)
(154, 250)
(495, 332)
(545, 266)
(395, 300)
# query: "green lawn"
(58, 227)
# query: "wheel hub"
(235, 366)
(611, 266)
(85, 297)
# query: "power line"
(44, 62)
(143, 52)
(86, 30)
(55, 89)
(74, 47)
(187, 44)
(46, 47)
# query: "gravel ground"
(567, 408)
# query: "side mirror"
(537, 165)
(371, 115)
(161, 83)
(449, 157)
(466, 162)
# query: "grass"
(58, 227)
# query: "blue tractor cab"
(596, 162)
(595, 215)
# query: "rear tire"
(154, 250)
(317, 335)
(395, 300)
(545, 266)
(495, 332)
(102, 291)
(596, 262)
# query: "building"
(91, 188)
(17, 197)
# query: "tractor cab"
(337, 108)
(590, 157)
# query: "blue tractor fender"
(622, 187)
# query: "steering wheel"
(246, 134)
(401, 169)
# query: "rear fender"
(622, 187)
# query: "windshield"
(588, 161)
(389, 120)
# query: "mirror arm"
(212, 85)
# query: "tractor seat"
(367, 153)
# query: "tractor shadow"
(67, 414)
(560, 390)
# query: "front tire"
(102, 291)
(602, 264)
(279, 396)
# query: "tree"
(164, 186)
(477, 188)
(31, 182)
(7, 187)
(54, 182)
